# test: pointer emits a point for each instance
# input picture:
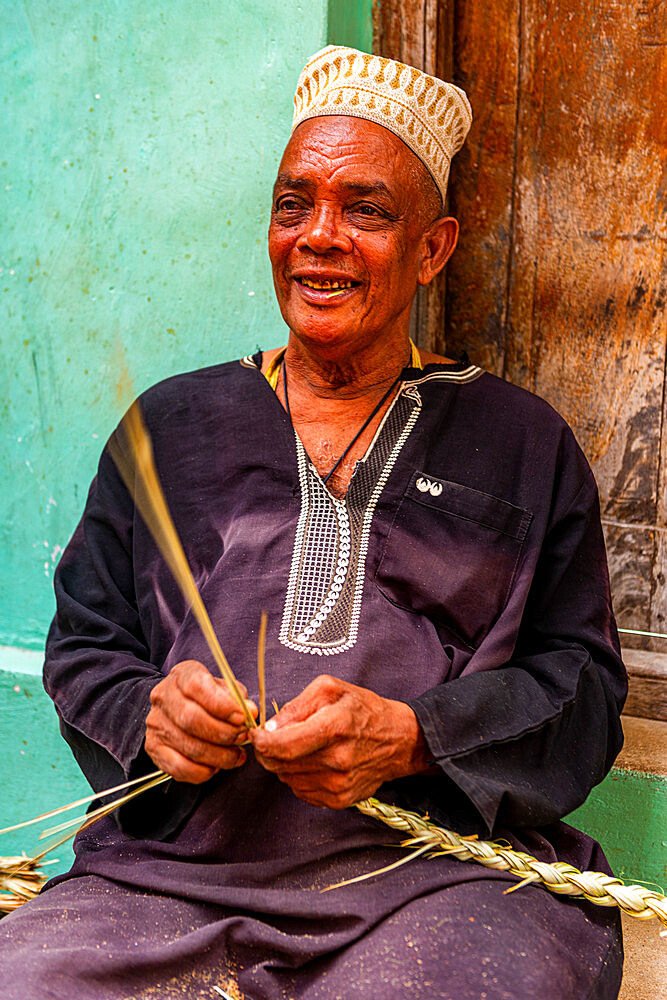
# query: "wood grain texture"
(420, 33)
(647, 698)
(645, 746)
(399, 30)
(561, 280)
(587, 274)
(630, 552)
(585, 325)
(486, 65)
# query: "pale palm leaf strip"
(136, 465)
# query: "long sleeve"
(527, 741)
(98, 668)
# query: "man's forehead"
(361, 153)
(349, 134)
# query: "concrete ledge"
(645, 969)
(21, 661)
(647, 694)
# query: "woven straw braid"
(21, 879)
(558, 877)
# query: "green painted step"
(38, 770)
(628, 810)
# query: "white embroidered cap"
(430, 116)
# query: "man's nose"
(324, 231)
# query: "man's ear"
(439, 242)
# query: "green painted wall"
(140, 142)
(139, 148)
(351, 23)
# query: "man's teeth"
(325, 285)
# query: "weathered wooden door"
(560, 280)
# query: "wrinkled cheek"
(278, 255)
(280, 244)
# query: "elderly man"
(426, 540)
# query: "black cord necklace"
(361, 429)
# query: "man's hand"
(336, 743)
(194, 727)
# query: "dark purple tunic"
(463, 573)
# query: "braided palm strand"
(559, 876)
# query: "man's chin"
(324, 340)
(324, 328)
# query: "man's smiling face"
(346, 238)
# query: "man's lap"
(96, 940)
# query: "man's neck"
(343, 376)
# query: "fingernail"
(271, 725)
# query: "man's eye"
(368, 210)
(288, 204)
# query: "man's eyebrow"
(373, 188)
(287, 180)
(359, 188)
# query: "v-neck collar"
(458, 372)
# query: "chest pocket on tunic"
(451, 554)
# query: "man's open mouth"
(333, 286)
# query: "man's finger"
(298, 739)
(191, 717)
(197, 750)
(323, 690)
(188, 686)
(179, 767)
(161, 730)
(196, 682)
(191, 760)
(310, 790)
